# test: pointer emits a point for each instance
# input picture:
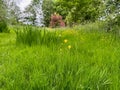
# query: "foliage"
(112, 13)
(31, 14)
(112, 24)
(56, 21)
(87, 65)
(34, 13)
(78, 11)
(36, 36)
(3, 23)
(3, 26)
(2, 10)
(13, 12)
(48, 10)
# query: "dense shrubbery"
(77, 11)
(47, 6)
(3, 21)
(112, 15)
(3, 26)
(56, 21)
(113, 24)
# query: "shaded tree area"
(2, 10)
(48, 10)
(112, 14)
(3, 19)
(72, 11)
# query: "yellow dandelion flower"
(65, 41)
(69, 46)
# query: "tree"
(36, 13)
(13, 11)
(112, 13)
(78, 11)
(2, 10)
(30, 14)
(3, 23)
(48, 10)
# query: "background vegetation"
(84, 56)
(3, 22)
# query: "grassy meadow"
(80, 58)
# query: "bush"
(113, 24)
(56, 20)
(3, 26)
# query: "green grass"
(92, 62)
(36, 36)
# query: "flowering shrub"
(56, 20)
